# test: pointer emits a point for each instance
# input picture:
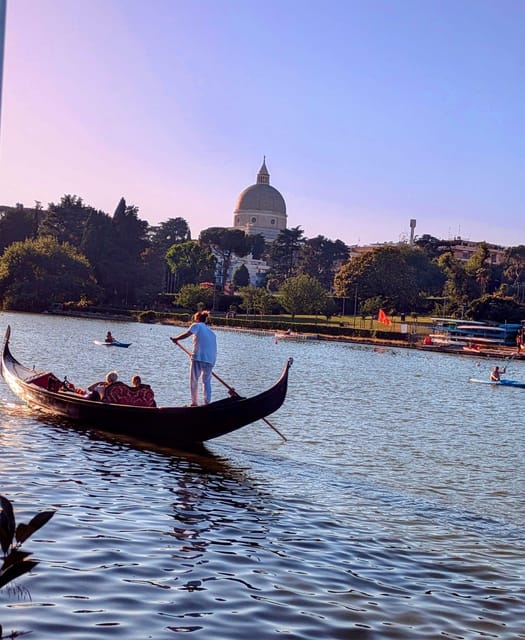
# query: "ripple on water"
(394, 511)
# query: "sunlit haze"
(370, 113)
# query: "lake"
(394, 510)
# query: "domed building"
(260, 208)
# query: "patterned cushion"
(120, 393)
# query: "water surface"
(394, 510)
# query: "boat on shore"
(470, 337)
(165, 425)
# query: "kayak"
(115, 343)
(500, 383)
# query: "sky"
(370, 113)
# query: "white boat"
(293, 335)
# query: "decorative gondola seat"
(46, 380)
(120, 393)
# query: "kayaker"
(496, 373)
(109, 337)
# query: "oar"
(231, 390)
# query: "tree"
(456, 285)
(256, 299)
(34, 274)
(496, 308)
(162, 237)
(515, 264)
(191, 263)
(193, 297)
(257, 245)
(396, 275)
(98, 245)
(241, 276)
(303, 295)
(170, 232)
(285, 252)
(130, 240)
(65, 221)
(433, 247)
(225, 243)
(321, 258)
(478, 268)
(17, 224)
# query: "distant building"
(260, 208)
(463, 250)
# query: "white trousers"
(200, 370)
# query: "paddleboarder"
(496, 373)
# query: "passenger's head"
(201, 316)
(111, 377)
(136, 381)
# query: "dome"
(261, 197)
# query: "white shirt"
(204, 343)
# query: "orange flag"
(383, 318)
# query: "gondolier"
(203, 356)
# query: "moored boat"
(293, 335)
(162, 425)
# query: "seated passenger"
(145, 395)
(136, 381)
(97, 389)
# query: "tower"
(412, 227)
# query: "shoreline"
(499, 352)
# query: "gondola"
(172, 426)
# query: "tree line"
(71, 252)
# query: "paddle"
(231, 390)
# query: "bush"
(147, 317)
(493, 308)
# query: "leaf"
(16, 570)
(13, 557)
(5, 540)
(23, 531)
(7, 523)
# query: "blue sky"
(370, 113)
